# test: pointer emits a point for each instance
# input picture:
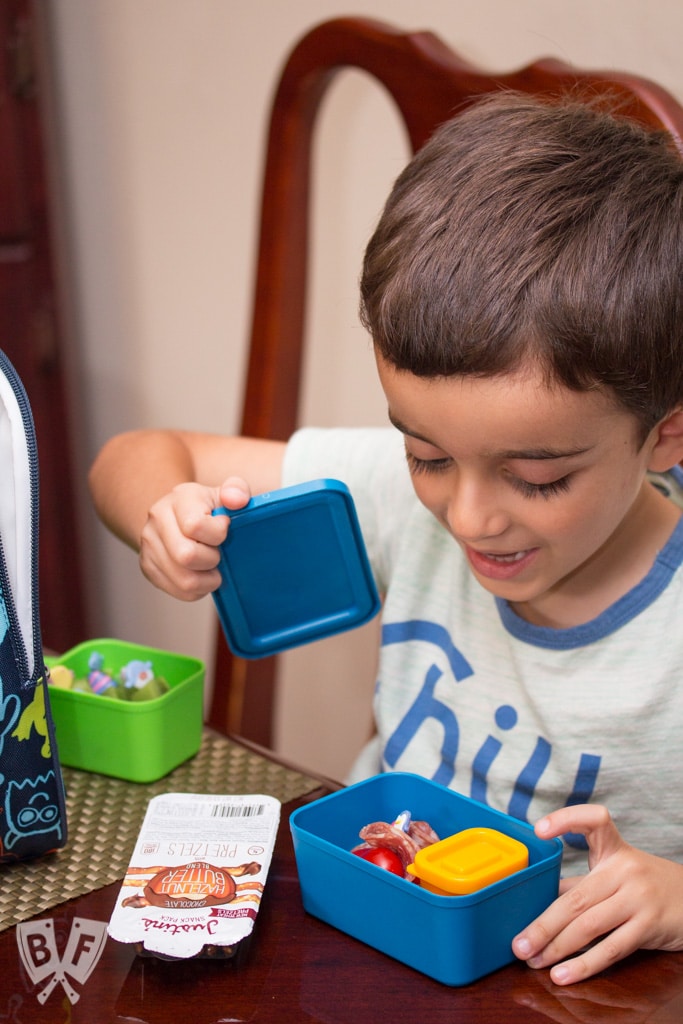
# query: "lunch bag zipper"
(29, 674)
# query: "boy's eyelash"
(548, 490)
(529, 490)
(426, 465)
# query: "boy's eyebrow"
(403, 429)
(543, 453)
(523, 454)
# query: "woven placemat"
(104, 817)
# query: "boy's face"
(543, 488)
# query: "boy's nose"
(474, 513)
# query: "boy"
(523, 292)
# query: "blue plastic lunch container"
(454, 939)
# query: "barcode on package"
(211, 810)
(230, 818)
(235, 810)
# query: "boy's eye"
(426, 465)
(525, 487)
(546, 490)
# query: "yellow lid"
(468, 861)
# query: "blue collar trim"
(617, 615)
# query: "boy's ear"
(668, 442)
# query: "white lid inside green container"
(294, 569)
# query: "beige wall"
(161, 109)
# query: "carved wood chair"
(427, 81)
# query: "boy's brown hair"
(527, 230)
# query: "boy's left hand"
(629, 900)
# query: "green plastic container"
(138, 741)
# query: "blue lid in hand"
(294, 569)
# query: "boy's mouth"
(500, 565)
(515, 557)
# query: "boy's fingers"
(587, 909)
(187, 516)
(582, 818)
(184, 584)
(189, 574)
(234, 493)
(590, 820)
(619, 943)
(580, 915)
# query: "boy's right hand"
(179, 542)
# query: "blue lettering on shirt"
(426, 705)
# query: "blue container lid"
(294, 569)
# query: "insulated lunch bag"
(32, 811)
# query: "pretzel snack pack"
(197, 874)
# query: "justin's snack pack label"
(197, 874)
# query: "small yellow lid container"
(468, 861)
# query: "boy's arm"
(155, 489)
(629, 900)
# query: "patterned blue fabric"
(32, 819)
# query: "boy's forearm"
(136, 469)
(131, 472)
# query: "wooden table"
(297, 969)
